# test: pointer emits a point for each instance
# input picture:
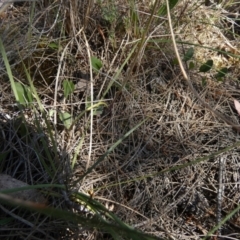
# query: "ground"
(97, 114)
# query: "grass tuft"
(117, 120)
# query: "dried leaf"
(237, 105)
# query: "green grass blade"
(111, 149)
(9, 71)
(93, 222)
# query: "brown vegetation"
(177, 175)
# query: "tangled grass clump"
(98, 118)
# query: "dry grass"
(151, 180)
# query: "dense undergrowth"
(104, 135)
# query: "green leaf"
(51, 113)
(175, 61)
(66, 118)
(68, 88)
(221, 73)
(96, 64)
(206, 66)
(53, 45)
(97, 108)
(163, 9)
(191, 65)
(24, 94)
(204, 81)
(188, 55)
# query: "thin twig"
(61, 62)
(91, 111)
(220, 191)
